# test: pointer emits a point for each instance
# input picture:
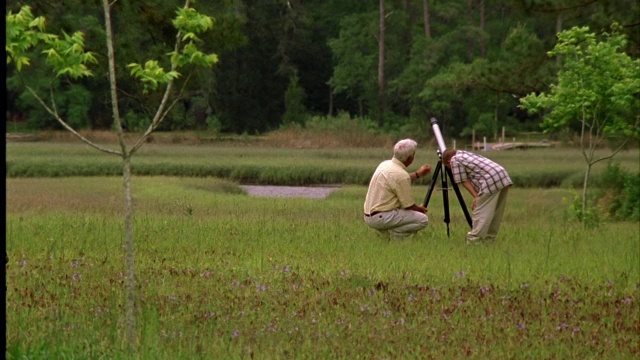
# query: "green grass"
(224, 275)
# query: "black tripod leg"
(445, 200)
(436, 172)
(460, 198)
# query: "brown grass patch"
(303, 139)
(286, 138)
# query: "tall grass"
(225, 275)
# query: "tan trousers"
(487, 215)
(398, 223)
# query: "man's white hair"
(404, 149)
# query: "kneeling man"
(389, 206)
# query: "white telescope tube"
(436, 131)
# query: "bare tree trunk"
(130, 316)
(470, 24)
(330, 113)
(483, 48)
(558, 30)
(427, 20)
(381, 56)
(130, 320)
(585, 186)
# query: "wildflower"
(522, 326)
(235, 334)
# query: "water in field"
(315, 192)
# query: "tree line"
(395, 62)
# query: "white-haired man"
(389, 206)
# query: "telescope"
(444, 177)
(438, 134)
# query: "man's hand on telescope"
(424, 170)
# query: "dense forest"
(393, 63)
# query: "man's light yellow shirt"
(389, 189)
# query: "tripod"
(445, 195)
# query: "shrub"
(619, 193)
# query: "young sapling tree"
(67, 57)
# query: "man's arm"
(469, 186)
(423, 171)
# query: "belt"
(373, 213)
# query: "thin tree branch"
(160, 113)
(158, 120)
(67, 126)
(112, 78)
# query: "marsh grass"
(225, 275)
(253, 164)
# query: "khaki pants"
(487, 215)
(398, 223)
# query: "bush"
(619, 193)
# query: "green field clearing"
(225, 275)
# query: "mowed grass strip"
(224, 275)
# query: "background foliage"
(478, 58)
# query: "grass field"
(224, 275)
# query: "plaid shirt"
(486, 176)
